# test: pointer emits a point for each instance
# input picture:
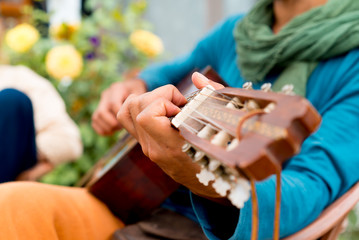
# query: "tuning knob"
(267, 87)
(247, 85)
(251, 105)
(205, 176)
(221, 186)
(288, 89)
(188, 149)
(240, 193)
(270, 107)
(213, 165)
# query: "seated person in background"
(309, 43)
(36, 132)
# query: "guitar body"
(128, 182)
(131, 185)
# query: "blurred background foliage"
(352, 229)
(103, 41)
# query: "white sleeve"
(57, 136)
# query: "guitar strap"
(277, 206)
(255, 219)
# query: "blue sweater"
(326, 167)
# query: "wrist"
(141, 85)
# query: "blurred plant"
(81, 61)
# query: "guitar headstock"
(240, 134)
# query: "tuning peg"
(187, 148)
(234, 143)
(270, 107)
(251, 105)
(213, 165)
(240, 193)
(247, 85)
(288, 89)
(267, 87)
(221, 186)
(232, 173)
(234, 103)
(221, 139)
(201, 159)
(199, 156)
(206, 132)
(205, 176)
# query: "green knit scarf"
(318, 34)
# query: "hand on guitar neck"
(146, 117)
(104, 120)
(285, 121)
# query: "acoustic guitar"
(240, 136)
(129, 183)
(237, 134)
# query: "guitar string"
(225, 98)
(223, 95)
(204, 123)
(228, 100)
(188, 127)
(212, 124)
(191, 95)
(210, 121)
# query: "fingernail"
(202, 77)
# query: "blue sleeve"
(326, 167)
(207, 52)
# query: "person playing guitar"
(310, 44)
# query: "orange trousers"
(38, 211)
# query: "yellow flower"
(22, 37)
(146, 42)
(63, 31)
(64, 61)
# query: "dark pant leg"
(17, 134)
(162, 224)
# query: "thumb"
(200, 81)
